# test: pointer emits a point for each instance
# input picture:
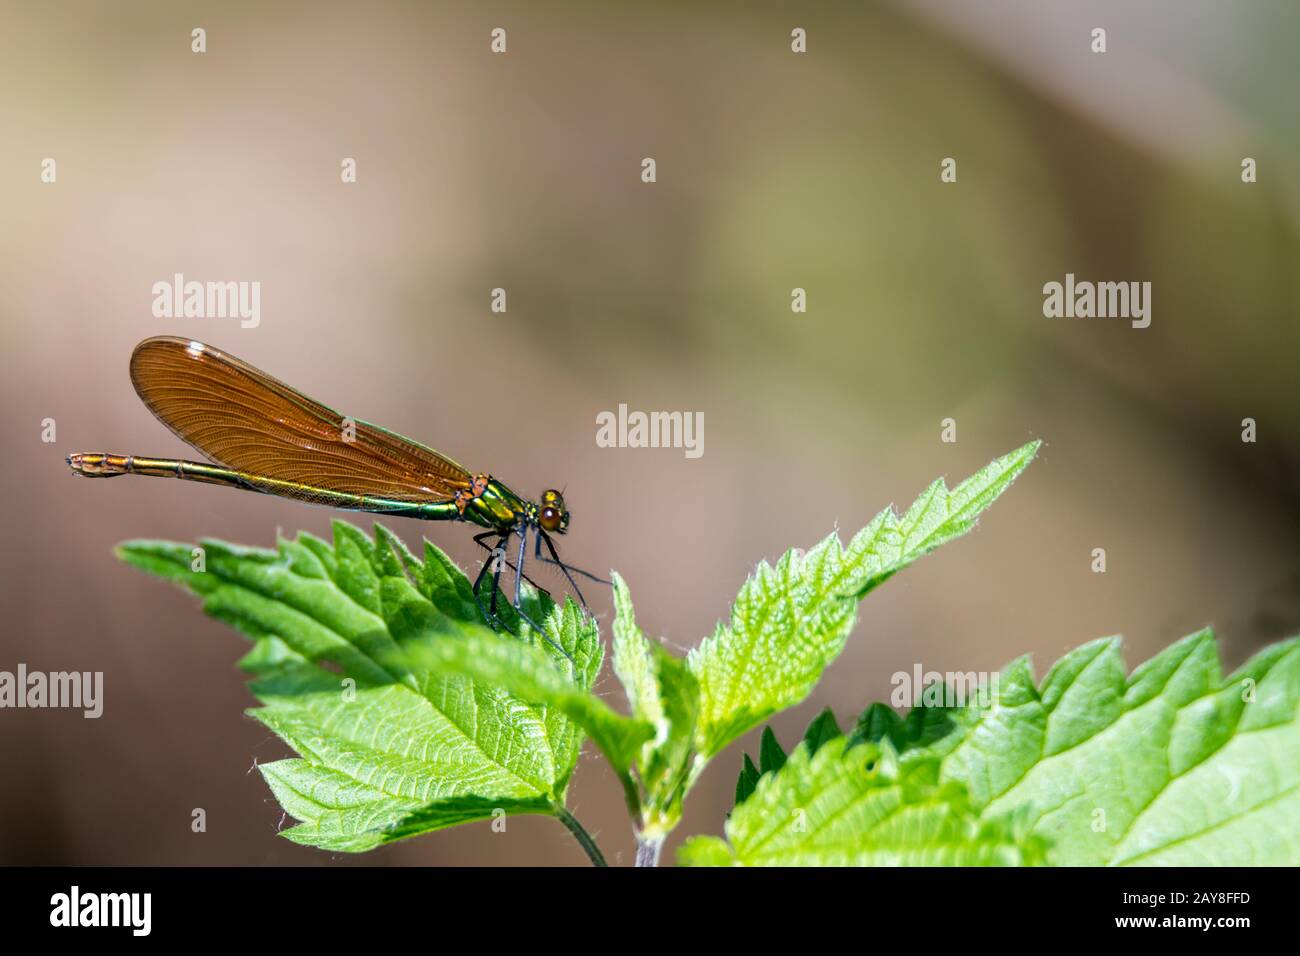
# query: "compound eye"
(549, 519)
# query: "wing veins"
(242, 418)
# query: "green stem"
(631, 796)
(698, 763)
(647, 850)
(581, 835)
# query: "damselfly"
(261, 435)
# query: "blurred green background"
(522, 171)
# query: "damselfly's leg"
(494, 562)
(496, 574)
(519, 601)
(550, 546)
(519, 565)
(491, 562)
(586, 574)
(508, 563)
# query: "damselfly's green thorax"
(490, 504)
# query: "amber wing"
(242, 418)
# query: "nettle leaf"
(857, 804)
(388, 745)
(770, 755)
(531, 674)
(1171, 765)
(792, 619)
(342, 816)
(747, 781)
(663, 693)
(823, 729)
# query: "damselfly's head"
(551, 513)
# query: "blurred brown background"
(522, 171)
